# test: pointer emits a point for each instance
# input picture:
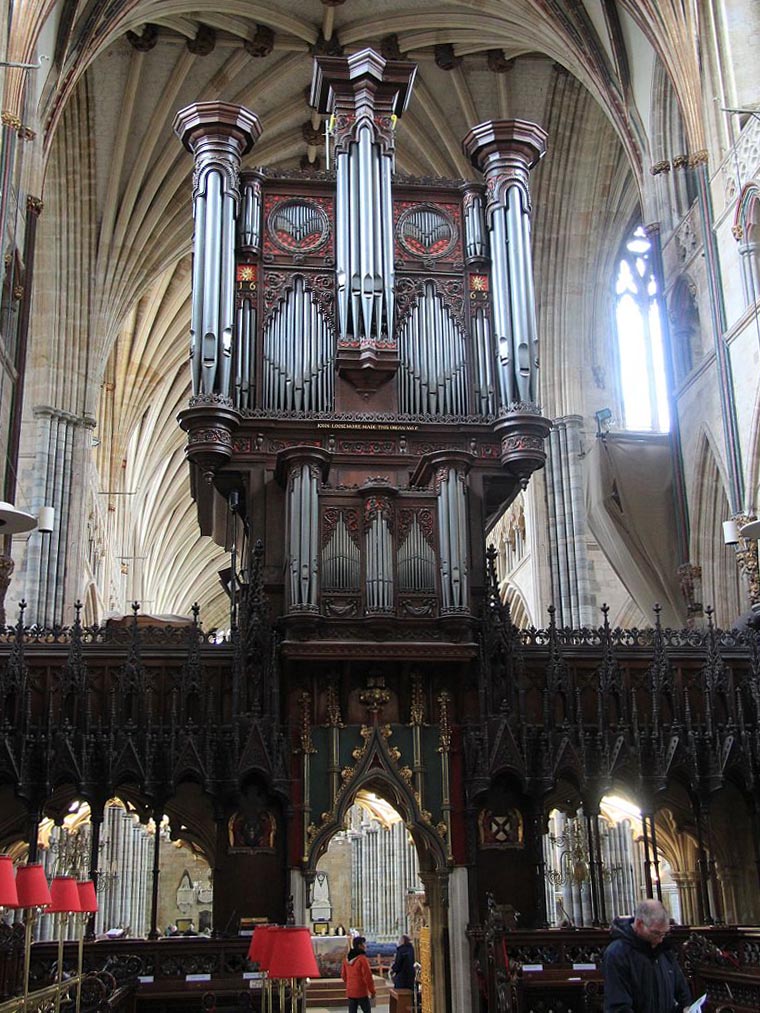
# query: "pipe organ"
(368, 340)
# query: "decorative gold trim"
(34, 204)
(417, 708)
(738, 232)
(444, 741)
(10, 120)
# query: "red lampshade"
(88, 901)
(292, 955)
(262, 942)
(64, 896)
(8, 891)
(32, 886)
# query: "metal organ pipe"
(299, 353)
(303, 548)
(505, 151)
(432, 377)
(474, 228)
(452, 529)
(218, 135)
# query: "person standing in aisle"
(357, 975)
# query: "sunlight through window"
(640, 348)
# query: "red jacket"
(357, 975)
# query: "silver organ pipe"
(340, 560)
(364, 238)
(218, 138)
(303, 545)
(452, 527)
(245, 355)
(502, 315)
(299, 353)
(416, 562)
(476, 247)
(378, 564)
(249, 224)
(483, 362)
(432, 376)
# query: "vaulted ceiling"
(113, 263)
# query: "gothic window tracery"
(640, 351)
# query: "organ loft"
(365, 405)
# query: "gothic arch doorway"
(377, 775)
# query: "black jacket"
(403, 966)
(639, 978)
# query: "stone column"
(567, 524)
(61, 442)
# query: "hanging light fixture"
(14, 521)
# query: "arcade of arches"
(430, 560)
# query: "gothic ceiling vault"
(113, 288)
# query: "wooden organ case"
(363, 350)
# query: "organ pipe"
(299, 354)
(505, 151)
(364, 95)
(432, 376)
(218, 135)
(452, 533)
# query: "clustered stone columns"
(567, 524)
(218, 134)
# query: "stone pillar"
(459, 954)
(300, 470)
(567, 524)
(51, 559)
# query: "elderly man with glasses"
(641, 973)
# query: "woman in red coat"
(357, 974)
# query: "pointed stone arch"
(720, 576)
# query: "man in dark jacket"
(403, 964)
(641, 974)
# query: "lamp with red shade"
(64, 901)
(33, 895)
(293, 957)
(8, 891)
(259, 953)
(88, 905)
